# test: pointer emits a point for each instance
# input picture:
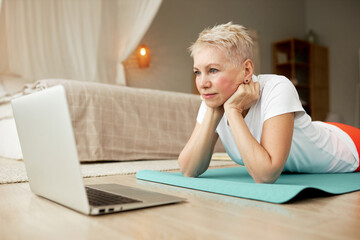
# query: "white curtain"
(133, 19)
(73, 39)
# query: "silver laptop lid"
(49, 149)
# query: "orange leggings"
(354, 134)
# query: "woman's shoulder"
(272, 83)
(273, 79)
(278, 96)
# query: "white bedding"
(9, 142)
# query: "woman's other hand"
(244, 97)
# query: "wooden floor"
(203, 216)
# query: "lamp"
(143, 56)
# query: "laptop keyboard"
(101, 198)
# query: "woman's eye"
(213, 70)
(197, 73)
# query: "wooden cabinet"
(307, 67)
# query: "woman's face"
(216, 77)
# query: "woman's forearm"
(196, 155)
(255, 157)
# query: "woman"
(259, 119)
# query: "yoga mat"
(237, 182)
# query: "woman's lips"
(209, 95)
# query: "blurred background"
(144, 44)
(335, 25)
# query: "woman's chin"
(213, 104)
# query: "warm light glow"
(143, 56)
(142, 51)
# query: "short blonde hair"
(234, 39)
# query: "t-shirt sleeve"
(281, 97)
(201, 112)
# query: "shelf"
(303, 86)
(297, 64)
(306, 66)
(302, 64)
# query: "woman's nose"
(204, 82)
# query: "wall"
(179, 22)
(337, 25)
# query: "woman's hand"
(217, 112)
(244, 97)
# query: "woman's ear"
(248, 67)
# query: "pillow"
(10, 84)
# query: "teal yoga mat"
(237, 182)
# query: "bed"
(112, 123)
(10, 87)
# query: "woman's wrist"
(229, 109)
(235, 111)
(216, 112)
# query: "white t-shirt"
(316, 147)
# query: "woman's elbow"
(268, 178)
(189, 174)
(186, 170)
(265, 180)
(268, 175)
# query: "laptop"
(51, 160)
